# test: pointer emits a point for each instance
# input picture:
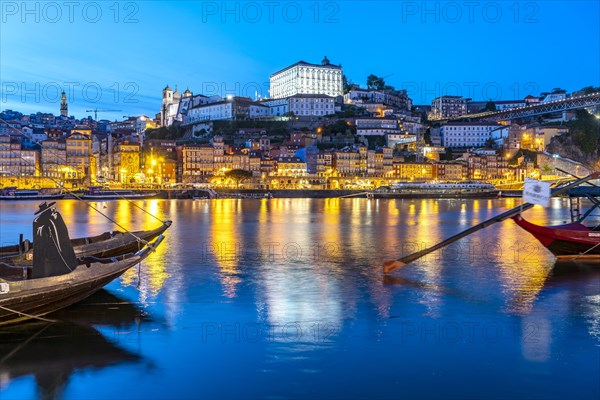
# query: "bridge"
(571, 103)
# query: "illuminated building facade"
(306, 78)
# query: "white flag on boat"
(536, 192)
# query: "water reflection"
(52, 352)
(579, 283)
(310, 271)
(301, 259)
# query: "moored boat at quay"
(57, 277)
(578, 240)
(12, 193)
(436, 190)
(107, 244)
(98, 193)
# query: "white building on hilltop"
(306, 78)
(231, 108)
(301, 105)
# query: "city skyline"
(246, 43)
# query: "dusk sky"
(120, 58)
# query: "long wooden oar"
(574, 176)
(393, 265)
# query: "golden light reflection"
(153, 273)
(224, 236)
(393, 210)
(83, 220)
(524, 266)
(463, 215)
(331, 218)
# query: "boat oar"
(390, 266)
(574, 176)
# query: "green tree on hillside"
(590, 89)
(585, 131)
(375, 82)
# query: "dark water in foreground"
(284, 298)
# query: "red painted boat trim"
(573, 233)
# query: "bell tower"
(64, 107)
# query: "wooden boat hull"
(36, 198)
(108, 244)
(119, 243)
(38, 297)
(571, 241)
(103, 197)
(435, 195)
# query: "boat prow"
(24, 299)
(567, 242)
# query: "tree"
(349, 113)
(340, 126)
(238, 175)
(585, 131)
(490, 106)
(375, 82)
(590, 89)
(346, 84)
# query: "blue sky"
(121, 57)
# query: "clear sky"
(120, 55)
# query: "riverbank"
(288, 194)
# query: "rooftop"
(324, 64)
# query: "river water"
(285, 298)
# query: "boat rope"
(135, 205)
(587, 251)
(27, 315)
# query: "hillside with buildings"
(316, 131)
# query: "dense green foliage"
(167, 133)
(346, 84)
(590, 89)
(231, 127)
(340, 126)
(377, 83)
(585, 131)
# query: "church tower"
(167, 99)
(64, 107)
